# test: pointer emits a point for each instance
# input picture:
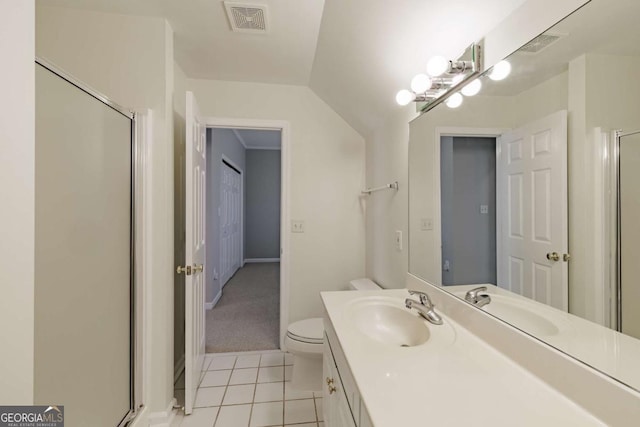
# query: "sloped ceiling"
(369, 49)
(354, 54)
(206, 48)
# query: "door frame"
(285, 198)
(231, 163)
(437, 202)
(614, 315)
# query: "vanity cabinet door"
(336, 410)
(343, 416)
(327, 373)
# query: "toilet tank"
(363, 284)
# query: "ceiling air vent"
(247, 18)
(540, 43)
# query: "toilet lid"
(307, 330)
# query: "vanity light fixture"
(404, 97)
(500, 71)
(437, 66)
(421, 83)
(472, 88)
(442, 80)
(454, 101)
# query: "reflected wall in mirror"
(517, 190)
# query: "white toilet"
(304, 340)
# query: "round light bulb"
(500, 71)
(454, 101)
(404, 97)
(472, 88)
(437, 66)
(420, 83)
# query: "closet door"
(230, 222)
(83, 254)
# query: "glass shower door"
(83, 281)
(629, 234)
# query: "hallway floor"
(250, 389)
(247, 317)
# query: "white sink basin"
(386, 320)
(521, 314)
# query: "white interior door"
(532, 210)
(195, 172)
(230, 221)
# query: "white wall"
(17, 210)
(387, 161)
(387, 146)
(327, 174)
(130, 60)
(541, 100)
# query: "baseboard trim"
(210, 305)
(163, 418)
(248, 260)
(141, 419)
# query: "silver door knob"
(186, 270)
(553, 256)
(197, 268)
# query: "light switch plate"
(484, 209)
(297, 226)
(399, 240)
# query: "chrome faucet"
(425, 307)
(477, 300)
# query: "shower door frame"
(138, 155)
(616, 235)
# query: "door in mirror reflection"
(532, 210)
(629, 211)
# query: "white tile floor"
(250, 390)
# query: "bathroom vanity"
(386, 366)
(342, 404)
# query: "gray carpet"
(247, 317)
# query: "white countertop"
(461, 383)
(609, 351)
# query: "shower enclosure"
(627, 153)
(84, 283)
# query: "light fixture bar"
(468, 66)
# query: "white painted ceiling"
(259, 139)
(354, 54)
(608, 28)
(206, 47)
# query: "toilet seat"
(308, 331)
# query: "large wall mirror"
(531, 188)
